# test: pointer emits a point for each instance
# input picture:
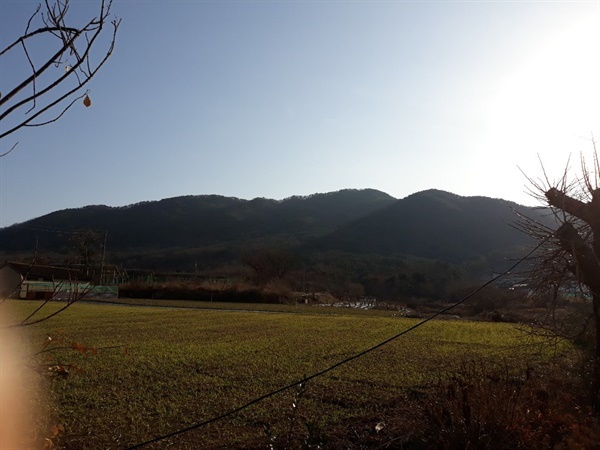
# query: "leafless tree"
(57, 59)
(569, 262)
(89, 246)
(57, 56)
(269, 264)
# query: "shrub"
(206, 291)
(484, 405)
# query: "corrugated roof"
(46, 272)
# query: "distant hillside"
(212, 230)
(197, 222)
(437, 225)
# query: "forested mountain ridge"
(197, 221)
(212, 229)
(438, 225)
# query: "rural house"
(27, 281)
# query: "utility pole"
(103, 256)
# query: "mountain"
(197, 222)
(438, 225)
(175, 233)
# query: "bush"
(205, 291)
(484, 405)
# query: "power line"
(340, 363)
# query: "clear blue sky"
(279, 98)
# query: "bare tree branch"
(53, 92)
(59, 90)
(9, 150)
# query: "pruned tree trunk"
(586, 257)
(596, 387)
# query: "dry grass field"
(122, 375)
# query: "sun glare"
(548, 105)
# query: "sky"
(279, 98)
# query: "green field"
(157, 370)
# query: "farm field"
(140, 372)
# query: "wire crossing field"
(157, 370)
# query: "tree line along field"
(126, 374)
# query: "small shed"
(33, 281)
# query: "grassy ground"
(140, 372)
(258, 307)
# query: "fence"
(65, 290)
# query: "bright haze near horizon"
(280, 98)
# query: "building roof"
(47, 272)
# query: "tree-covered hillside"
(348, 235)
(202, 223)
(437, 225)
